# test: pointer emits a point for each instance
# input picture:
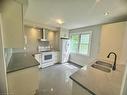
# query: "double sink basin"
(103, 66)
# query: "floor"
(53, 80)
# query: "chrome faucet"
(114, 65)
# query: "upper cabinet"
(64, 33)
(12, 22)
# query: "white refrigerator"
(64, 50)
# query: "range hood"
(43, 35)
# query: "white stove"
(45, 58)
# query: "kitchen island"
(91, 81)
(23, 74)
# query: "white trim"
(2, 46)
(90, 44)
(123, 86)
(90, 41)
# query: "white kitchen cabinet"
(64, 33)
(56, 57)
(12, 22)
(78, 90)
(24, 82)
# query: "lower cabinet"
(23, 82)
(56, 56)
(78, 90)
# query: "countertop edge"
(82, 86)
(22, 68)
(25, 67)
(80, 82)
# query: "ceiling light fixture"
(59, 21)
(97, 1)
(106, 13)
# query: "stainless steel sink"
(104, 64)
(102, 68)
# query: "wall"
(33, 34)
(82, 59)
(32, 40)
(112, 37)
(3, 79)
(53, 38)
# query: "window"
(80, 43)
(74, 43)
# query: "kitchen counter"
(98, 82)
(21, 61)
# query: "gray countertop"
(98, 82)
(21, 61)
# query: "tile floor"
(55, 80)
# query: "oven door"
(47, 58)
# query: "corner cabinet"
(12, 21)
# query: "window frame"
(90, 41)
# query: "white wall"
(112, 37)
(53, 38)
(3, 79)
(32, 36)
(82, 59)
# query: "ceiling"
(75, 13)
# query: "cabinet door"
(12, 20)
(56, 57)
(24, 82)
